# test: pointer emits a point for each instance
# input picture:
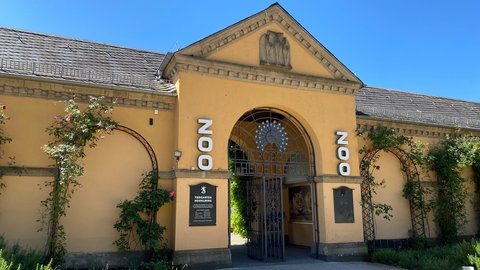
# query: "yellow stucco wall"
(196, 101)
(113, 169)
(246, 52)
(331, 232)
(112, 172)
(390, 193)
(201, 237)
(20, 208)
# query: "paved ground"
(323, 266)
(296, 259)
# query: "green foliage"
(238, 197)
(3, 138)
(5, 265)
(440, 257)
(386, 139)
(417, 242)
(16, 257)
(156, 265)
(448, 159)
(3, 118)
(413, 191)
(474, 255)
(137, 222)
(71, 133)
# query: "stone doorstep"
(340, 251)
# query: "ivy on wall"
(411, 156)
(3, 138)
(72, 133)
(238, 197)
(448, 160)
(137, 222)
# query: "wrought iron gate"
(268, 147)
(265, 211)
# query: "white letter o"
(344, 169)
(209, 144)
(205, 162)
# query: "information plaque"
(203, 205)
(343, 205)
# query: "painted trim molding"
(27, 171)
(332, 178)
(184, 63)
(61, 90)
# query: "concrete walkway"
(322, 266)
(296, 259)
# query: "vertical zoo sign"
(343, 167)
(203, 205)
(205, 144)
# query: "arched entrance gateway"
(272, 151)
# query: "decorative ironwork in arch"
(417, 211)
(275, 140)
(144, 142)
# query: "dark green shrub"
(440, 257)
(238, 193)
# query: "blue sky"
(422, 46)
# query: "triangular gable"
(277, 15)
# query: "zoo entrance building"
(261, 99)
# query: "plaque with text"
(203, 205)
(343, 205)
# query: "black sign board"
(343, 205)
(203, 205)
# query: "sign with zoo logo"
(203, 205)
(300, 203)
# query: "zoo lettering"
(343, 167)
(205, 145)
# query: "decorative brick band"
(191, 64)
(221, 174)
(121, 97)
(412, 129)
(27, 171)
(329, 178)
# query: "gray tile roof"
(386, 104)
(48, 56)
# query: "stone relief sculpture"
(274, 50)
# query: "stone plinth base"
(340, 251)
(104, 260)
(203, 258)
